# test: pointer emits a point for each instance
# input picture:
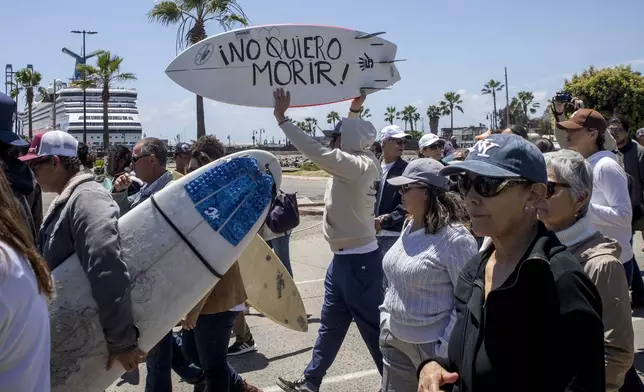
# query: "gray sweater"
(83, 219)
(422, 271)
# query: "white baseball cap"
(393, 132)
(51, 143)
(427, 140)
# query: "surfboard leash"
(180, 234)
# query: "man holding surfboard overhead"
(353, 284)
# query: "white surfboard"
(218, 209)
(317, 64)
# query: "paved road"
(285, 353)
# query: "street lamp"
(56, 81)
(84, 32)
(261, 131)
(254, 133)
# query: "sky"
(449, 45)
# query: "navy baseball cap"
(7, 110)
(182, 148)
(502, 155)
(422, 170)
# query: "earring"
(528, 208)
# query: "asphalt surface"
(286, 353)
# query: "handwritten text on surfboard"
(298, 60)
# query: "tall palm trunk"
(201, 125)
(496, 124)
(106, 125)
(30, 103)
(451, 119)
(433, 125)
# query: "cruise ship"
(123, 114)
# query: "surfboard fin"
(370, 35)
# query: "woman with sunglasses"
(422, 268)
(564, 211)
(527, 316)
(431, 146)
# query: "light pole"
(261, 131)
(54, 99)
(84, 32)
(254, 133)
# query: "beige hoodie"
(350, 194)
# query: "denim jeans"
(207, 347)
(164, 357)
(280, 246)
(352, 291)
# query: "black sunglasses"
(135, 158)
(488, 186)
(552, 187)
(405, 188)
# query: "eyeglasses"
(616, 130)
(405, 188)
(488, 186)
(135, 158)
(400, 142)
(552, 187)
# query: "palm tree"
(27, 79)
(106, 72)
(434, 113)
(492, 87)
(191, 16)
(312, 124)
(392, 114)
(364, 113)
(84, 83)
(451, 101)
(526, 99)
(303, 125)
(332, 117)
(410, 116)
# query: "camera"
(563, 97)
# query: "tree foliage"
(415, 135)
(391, 114)
(611, 91)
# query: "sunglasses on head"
(552, 186)
(488, 186)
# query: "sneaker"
(299, 385)
(246, 387)
(242, 348)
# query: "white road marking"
(310, 281)
(334, 380)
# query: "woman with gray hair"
(564, 211)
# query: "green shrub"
(309, 166)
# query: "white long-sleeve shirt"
(610, 205)
(422, 271)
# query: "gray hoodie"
(83, 219)
(350, 195)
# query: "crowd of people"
(508, 266)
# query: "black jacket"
(391, 200)
(540, 331)
(634, 167)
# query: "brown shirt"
(228, 293)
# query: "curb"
(311, 211)
(307, 205)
